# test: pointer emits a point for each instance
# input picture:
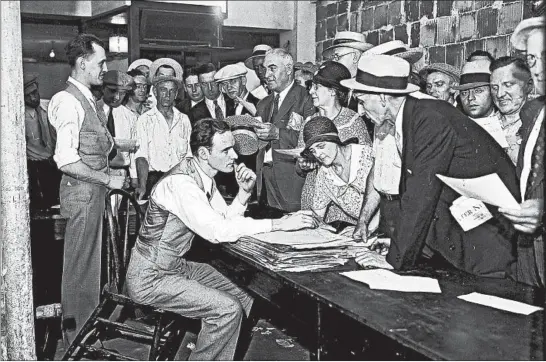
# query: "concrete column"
(17, 340)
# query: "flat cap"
(230, 71)
(118, 80)
(442, 68)
(29, 82)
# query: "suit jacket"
(439, 139)
(231, 105)
(199, 112)
(185, 107)
(287, 184)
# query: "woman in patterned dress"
(344, 176)
(328, 96)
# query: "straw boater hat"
(230, 71)
(522, 31)
(348, 39)
(246, 140)
(139, 62)
(321, 129)
(381, 74)
(442, 68)
(398, 49)
(474, 74)
(258, 51)
(178, 72)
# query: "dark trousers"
(44, 179)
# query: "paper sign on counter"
(386, 280)
(500, 303)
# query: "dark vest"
(163, 238)
(95, 140)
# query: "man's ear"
(203, 153)
(530, 86)
(81, 63)
(243, 80)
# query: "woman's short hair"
(81, 46)
(204, 130)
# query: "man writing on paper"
(431, 137)
(159, 275)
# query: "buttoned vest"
(163, 238)
(95, 140)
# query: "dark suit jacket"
(438, 139)
(231, 106)
(185, 107)
(287, 183)
(199, 112)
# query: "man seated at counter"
(158, 273)
(432, 138)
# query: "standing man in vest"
(81, 153)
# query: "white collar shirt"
(125, 127)
(163, 146)
(282, 95)
(221, 102)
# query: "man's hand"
(527, 219)
(116, 182)
(140, 192)
(249, 106)
(306, 165)
(379, 245)
(267, 132)
(369, 260)
(304, 219)
(246, 178)
(361, 232)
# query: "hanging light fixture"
(52, 52)
(118, 44)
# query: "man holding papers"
(186, 202)
(432, 137)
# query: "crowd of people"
(356, 141)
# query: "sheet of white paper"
(386, 280)
(301, 237)
(489, 189)
(493, 127)
(294, 152)
(500, 303)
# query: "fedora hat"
(398, 49)
(258, 51)
(330, 74)
(348, 39)
(246, 140)
(523, 29)
(139, 62)
(442, 68)
(230, 71)
(474, 74)
(321, 129)
(381, 74)
(178, 72)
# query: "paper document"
(489, 189)
(493, 126)
(500, 303)
(386, 280)
(294, 152)
(302, 238)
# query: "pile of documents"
(387, 280)
(302, 250)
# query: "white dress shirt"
(240, 107)
(161, 146)
(268, 157)
(66, 114)
(125, 127)
(528, 153)
(212, 220)
(221, 102)
(388, 158)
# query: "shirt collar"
(282, 94)
(220, 100)
(86, 91)
(207, 181)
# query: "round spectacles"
(532, 59)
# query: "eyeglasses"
(141, 86)
(336, 57)
(230, 83)
(532, 59)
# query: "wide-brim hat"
(398, 49)
(474, 74)
(348, 39)
(381, 74)
(178, 71)
(442, 68)
(330, 74)
(246, 140)
(321, 129)
(139, 62)
(166, 78)
(258, 51)
(523, 29)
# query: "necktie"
(273, 114)
(218, 111)
(111, 128)
(537, 159)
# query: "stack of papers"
(387, 280)
(301, 250)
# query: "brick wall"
(449, 30)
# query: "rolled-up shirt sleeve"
(66, 116)
(142, 137)
(193, 209)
